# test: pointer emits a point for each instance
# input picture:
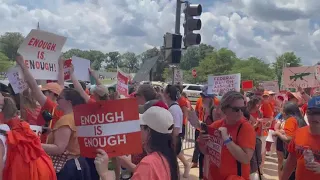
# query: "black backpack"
(256, 159)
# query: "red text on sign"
(40, 55)
(102, 118)
(100, 142)
(42, 44)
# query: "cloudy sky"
(262, 28)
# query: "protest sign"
(214, 146)
(41, 51)
(270, 86)
(247, 85)
(109, 125)
(304, 77)
(221, 84)
(36, 129)
(122, 83)
(67, 69)
(178, 75)
(16, 80)
(81, 68)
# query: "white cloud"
(249, 27)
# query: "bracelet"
(227, 141)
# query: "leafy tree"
(10, 43)
(288, 59)
(149, 54)
(253, 69)
(95, 57)
(193, 55)
(5, 64)
(114, 60)
(130, 61)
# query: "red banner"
(122, 84)
(110, 125)
(247, 85)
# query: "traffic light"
(192, 24)
(172, 45)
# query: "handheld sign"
(36, 129)
(16, 80)
(41, 51)
(110, 125)
(214, 145)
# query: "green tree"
(10, 43)
(5, 63)
(216, 63)
(253, 69)
(288, 59)
(193, 55)
(150, 53)
(114, 60)
(95, 57)
(130, 61)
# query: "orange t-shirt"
(291, 126)
(51, 107)
(302, 140)
(199, 109)
(154, 167)
(183, 102)
(267, 110)
(245, 139)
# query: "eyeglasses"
(237, 109)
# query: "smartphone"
(204, 128)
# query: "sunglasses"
(237, 109)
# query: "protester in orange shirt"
(47, 95)
(21, 155)
(304, 148)
(239, 141)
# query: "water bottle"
(308, 155)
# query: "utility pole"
(176, 31)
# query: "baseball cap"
(158, 119)
(53, 87)
(314, 103)
(204, 92)
(101, 90)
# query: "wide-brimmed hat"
(53, 87)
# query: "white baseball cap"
(158, 119)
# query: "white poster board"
(41, 51)
(81, 68)
(178, 75)
(36, 129)
(221, 84)
(16, 80)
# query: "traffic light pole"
(177, 30)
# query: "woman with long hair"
(161, 162)
(62, 141)
(293, 120)
(30, 108)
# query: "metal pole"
(177, 29)
(178, 16)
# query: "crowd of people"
(249, 126)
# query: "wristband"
(227, 141)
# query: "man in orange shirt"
(304, 148)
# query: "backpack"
(256, 159)
(26, 159)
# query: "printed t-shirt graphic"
(299, 143)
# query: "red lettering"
(42, 44)
(37, 65)
(26, 62)
(46, 66)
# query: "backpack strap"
(239, 167)
(259, 171)
(175, 103)
(3, 132)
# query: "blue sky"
(265, 29)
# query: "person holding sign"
(239, 140)
(161, 162)
(47, 95)
(63, 146)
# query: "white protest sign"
(16, 80)
(178, 75)
(81, 68)
(221, 84)
(41, 51)
(36, 129)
